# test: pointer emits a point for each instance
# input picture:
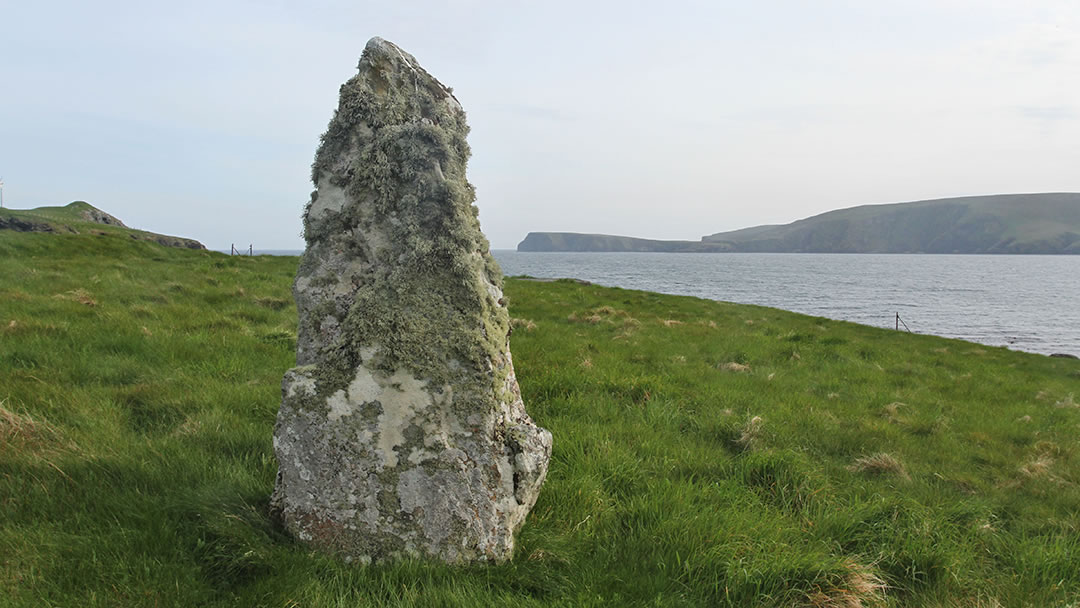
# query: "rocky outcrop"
(401, 431)
(97, 216)
(23, 224)
(167, 241)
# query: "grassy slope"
(1014, 223)
(66, 214)
(138, 388)
(70, 218)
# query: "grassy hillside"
(1007, 223)
(705, 453)
(83, 218)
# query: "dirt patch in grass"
(733, 366)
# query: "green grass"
(706, 454)
(62, 217)
(69, 219)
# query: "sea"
(1023, 302)
(1027, 303)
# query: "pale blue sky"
(658, 120)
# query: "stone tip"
(379, 50)
(376, 43)
(381, 47)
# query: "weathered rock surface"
(401, 431)
(22, 224)
(97, 216)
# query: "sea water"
(1029, 303)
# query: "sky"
(667, 120)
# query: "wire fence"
(900, 322)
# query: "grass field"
(706, 454)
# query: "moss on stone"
(397, 288)
(408, 181)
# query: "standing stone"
(401, 431)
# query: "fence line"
(900, 321)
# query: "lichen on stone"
(403, 433)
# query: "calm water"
(1029, 303)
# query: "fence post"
(900, 321)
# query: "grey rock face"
(401, 430)
(100, 217)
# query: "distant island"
(1003, 223)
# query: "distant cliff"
(573, 241)
(1004, 223)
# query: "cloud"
(1047, 113)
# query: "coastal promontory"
(1047, 223)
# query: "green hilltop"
(705, 454)
(81, 217)
(1004, 223)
